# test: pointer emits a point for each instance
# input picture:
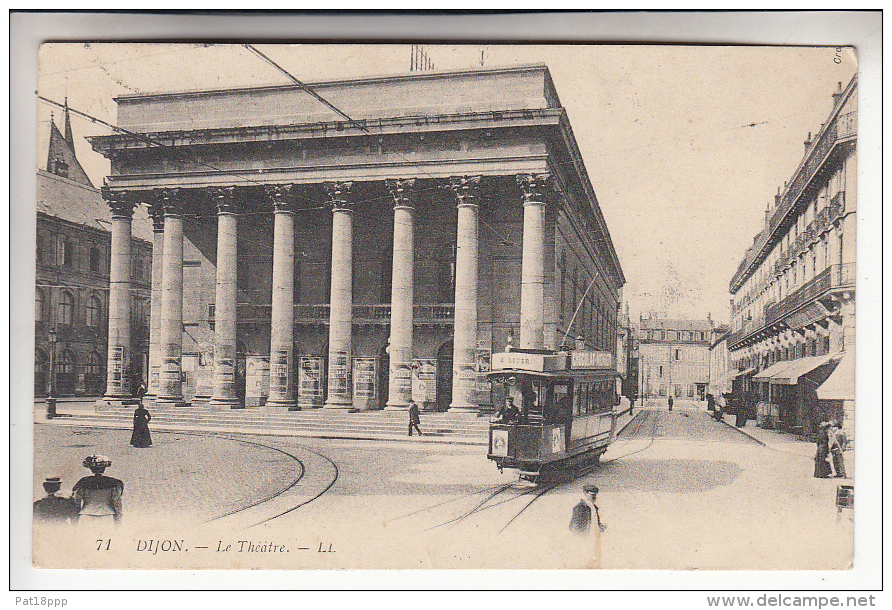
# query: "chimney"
(807, 142)
(777, 198)
(838, 94)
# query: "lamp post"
(51, 397)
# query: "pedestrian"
(53, 509)
(414, 418)
(581, 523)
(837, 441)
(98, 497)
(141, 437)
(671, 402)
(822, 468)
(710, 402)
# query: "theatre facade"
(306, 259)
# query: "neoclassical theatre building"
(305, 259)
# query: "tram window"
(577, 400)
(562, 400)
(588, 398)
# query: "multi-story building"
(627, 355)
(793, 306)
(313, 259)
(674, 358)
(72, 276)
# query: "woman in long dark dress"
(141, 437)
(822, 467)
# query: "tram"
(564, 416)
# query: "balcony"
(843, 126)
(440, 314)
(835, 277)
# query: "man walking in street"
(414, 418)
(581, 525)
(670, 403)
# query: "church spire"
(69, 137)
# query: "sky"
(685, 146)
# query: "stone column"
(171, 386)
(157, 212)
(464, 359)
(532, 282)
(401, 300)
(117, 380)
(281, 352)
(226, 299)
(340, 328)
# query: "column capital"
(337, 195)
(171, 201)
(156, 210)
(403, 192)
(281, 196)
(225, 199)
(120, 202)
(534, 186)
(466, 190)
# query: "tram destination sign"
(589, 359)
(529, 362)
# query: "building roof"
(53, 146)
(661, 324)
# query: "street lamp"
(51, 398)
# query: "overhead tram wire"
(152, 142)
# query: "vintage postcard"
(445, 306)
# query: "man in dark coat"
(414, 418)
(671, 401)
(54, 509)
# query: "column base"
(282, 404)
(171, 401)
(391, 407)
(230, 403)
(339, 405)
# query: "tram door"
(444, 376)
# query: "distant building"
(793, 306)
(72, 275)
(674, 358)
(721, 375)
(627, 355)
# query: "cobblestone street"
(730, 498)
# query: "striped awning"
(800, 367)
(774, 369)
(841, 383)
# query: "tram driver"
(509, 413)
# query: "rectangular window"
(661, 371)
(677, 354)
(67, 253)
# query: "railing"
(441, 313)
(834, 277)
(844, 125)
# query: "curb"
(298, 434)
(747, 434)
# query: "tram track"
(326, 483)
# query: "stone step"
(341, 424)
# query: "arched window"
(94, 312)
(38, 305)
(66, 362)
(66, 308)
(94, 364)
(39, 362)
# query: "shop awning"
(841, 383)
(774, 369)
(800, 367)
(743, 372)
